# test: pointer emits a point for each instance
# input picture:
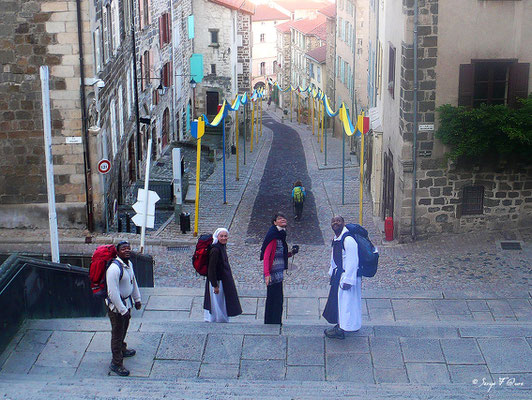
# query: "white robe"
(218, 311)
(350, 300)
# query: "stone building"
(463, 48)
(284, 60)
(330, 58)
(316, 59)
(265, 62)
(124, 62)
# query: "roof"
(293, 5)
(308, 26)
(245, 6)
(284, 27)
(329, 11)
(318, 54)
(321, 31)
(264, 12)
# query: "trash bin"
(184, 222)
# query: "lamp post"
(193, 86)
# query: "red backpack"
(101, 259)
(200, 259)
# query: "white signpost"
(176, 168)
(145, 205)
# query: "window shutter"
(142, 69)
(151, 65)
(161, 31)
(116, 25)
(141, 14)
(105, 22)
(518, 82)
(466, 85)
(168, 28)
(170, 70)
(149, 12)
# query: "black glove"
(295, 249)
(138, 305)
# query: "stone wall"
(507, 199)
(35, 33)
(245, 55)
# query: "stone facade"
(284, 56)
(245, 53)
(36, 33)
(502, 193)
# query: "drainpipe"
(414, 144)
(354, 106)
(85, 131)
(136, 94)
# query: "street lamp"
(193, 86)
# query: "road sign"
(104, 166)
(140, 208)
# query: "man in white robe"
(344, 305)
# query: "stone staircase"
(180, 357)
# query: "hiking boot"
(129, 353)
(335, 332)
(119, 369)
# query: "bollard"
(388, 229)
(184, 222)
(128, 223)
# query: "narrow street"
(286, 164)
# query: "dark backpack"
(200, 259)
(102, 258)
(368, 258)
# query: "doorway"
(213, 99)
(389, 186)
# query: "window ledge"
(215, 45)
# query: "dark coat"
(219, 270)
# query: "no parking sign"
(104, 166)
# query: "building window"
(473, 200)
(492, 82)
(391, 71)
(214, 37)
(145, 70)
(275, 67)
(166, 74)
(107, 33)
(262, 37)
(115, 25)
(127, 17)
(213, 69)
(318, 70)
(164, 29)
(97, 49)
(144, 13)
(263, 68)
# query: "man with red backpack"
(122, 293)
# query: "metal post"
(343, 167)
(146, 197)
(237, 152)
(414, 144)
(198, 160)
(252, 126)
(260, 117)
(290, 104)
(245, 130)
(223, 153)
(361, 171)
(312, 113)
(52, 216)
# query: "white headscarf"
(216, 233)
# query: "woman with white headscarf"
(221, 298)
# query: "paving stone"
(303, 306)
(353, 344)
(414, 310)
(169, 303)
(64, 349)
(381, 314)
(181, 347)
(173, 369)
(477, 305)
(416, 332)
(165, 315)
(386, 352)
(257, 347)
(421, 350)
(482, 316)
(19, 362)
(95, 365)
(469, 374)
(506, 355)
(100, 343)
(52, 371)
(33, 341)
(428, 374)
(305, 351)
(391, 375)
(249, 305)
(455, 318)
(352, 367)
(451, 307)
(271, 370)
(223, 349)
(379, 303)
(461, 351)
(305, 373)
(466, 294)
(495, 331)
(500, 308)
(219, 371)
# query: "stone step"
(18, 387)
